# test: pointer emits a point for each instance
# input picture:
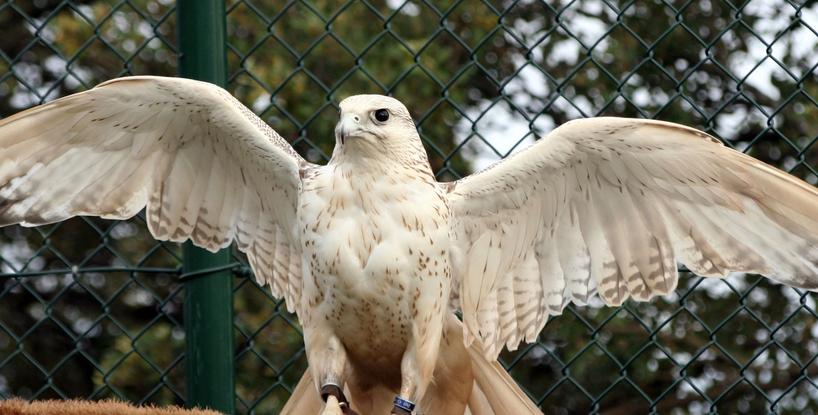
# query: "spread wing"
(609, 205)
(205, 166)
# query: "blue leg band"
(404, 404)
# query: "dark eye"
(381, 115)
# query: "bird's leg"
(328, 359)
(405, 403)
(416, 373)
(333, 395)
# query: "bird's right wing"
(205, 166)
(609, 205)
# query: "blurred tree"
(481, 77)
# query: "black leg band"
(337, 392)
(334, 390)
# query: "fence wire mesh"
(92, 308)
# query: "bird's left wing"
(205, 167)
(610, 205)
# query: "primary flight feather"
(374, 255)
(205, 166)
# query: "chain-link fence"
(92, 308)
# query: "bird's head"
(377, 126)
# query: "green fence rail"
(209, 299)
(94, 308)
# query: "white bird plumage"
(373, 254)
(609, 205)
(205, 166)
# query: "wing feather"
(203, 165)
(609, 205)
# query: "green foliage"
(136, 367)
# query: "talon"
(332, 407)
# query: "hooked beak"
(348, 126)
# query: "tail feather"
(478, 403)
(495, 392)
(305, 400)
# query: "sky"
(502, 128)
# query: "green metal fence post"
(209, 299)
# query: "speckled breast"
(376, 260)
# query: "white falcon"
(375, 256)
